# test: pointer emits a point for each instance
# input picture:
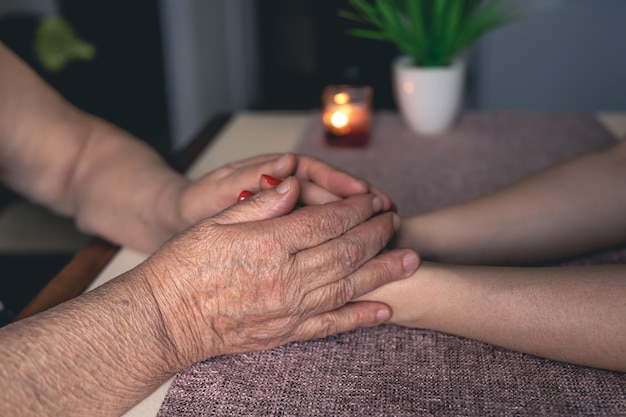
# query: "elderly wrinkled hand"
(259, 275)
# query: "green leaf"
(415, 15)
(367, 11)
(479, 22)
(416, 18)
(389, 12)
(454, 14)
(56, 44)
(432, 32)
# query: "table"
(245, 134)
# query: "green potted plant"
(432, 37)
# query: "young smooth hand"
(320, 183)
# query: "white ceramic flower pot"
(429, 99)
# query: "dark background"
(304, 47)
(125, 82)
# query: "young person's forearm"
(96, 355)
(570, 209)
(571, 314)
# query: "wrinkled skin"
(255, 276)
(248, 280)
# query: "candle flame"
(338, 119)
(341, 98)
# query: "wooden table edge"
(90, 260)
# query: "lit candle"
(347, 115)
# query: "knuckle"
(331, 223)
(278, 238)
(351, 251)
(289, 304)
(222, 172)
(285, 294)
(328, 326)
(345, 291)
(231, 166)
(381, 228)
(384, 271)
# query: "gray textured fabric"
(393, 371)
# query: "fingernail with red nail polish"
(271, 180)
(244, 194)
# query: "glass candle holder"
(347, 115)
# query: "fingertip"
(352, 316)
(377, 204)
(410, 262)
(387, 203)
(371, 313)
(383, 315)
(264, 204)
(397, 222)
(360, 186)
(285, 164)
(284, 186)
(288, 191)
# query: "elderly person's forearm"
(95, 355)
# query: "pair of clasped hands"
(260, 273)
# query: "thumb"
(264, 205)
